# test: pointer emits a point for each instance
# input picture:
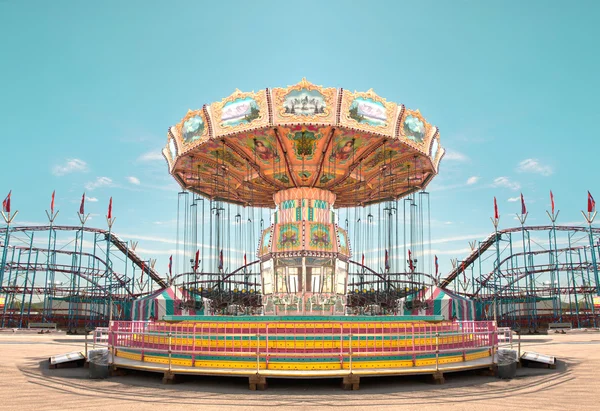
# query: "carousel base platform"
(303, 347)
(170, 374)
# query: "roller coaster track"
(497, 236)
(521, 273)
(112, 237)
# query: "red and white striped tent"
(438, 301)
(168, 301)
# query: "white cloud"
(71, 166)
(149, 238)
(532, 165)
(506, 183)
(472, 180)
(452, 155)
(98, 183)
(134, 180)
(514, 199)
(169, 222)
(457, 238)
(92, 199)
(151, 156)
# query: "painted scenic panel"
(435, 145)
(343, 239)
(192, 129)
(266, 239)
(304, 102)
(414, 128)
(172, 149)
(367, 110)
(239, 111)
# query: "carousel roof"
(251, 145)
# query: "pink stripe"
(169, 293)
(436, 292)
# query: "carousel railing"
(266, 341)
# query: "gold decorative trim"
(167, 156)
(438, 158)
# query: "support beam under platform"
(257, 382)
(438, 378)
(169, 378)
(351, 382)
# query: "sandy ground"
(27, 383)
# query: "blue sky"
(89, 89)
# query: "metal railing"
(99, 339)
(336, 341)
(506, 339)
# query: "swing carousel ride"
(312, 171)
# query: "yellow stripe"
(231, 364)
(477, 355)
(301, 366)
(304, 366)
(157, 360)
(129, 355)
(378, 364)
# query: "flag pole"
(589, 218)
(81, 214)
(554, 278)
(110, 221)
(495, 222)
(8, 219)
(6, 213)
(52, 215)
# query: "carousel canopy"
(438, 301)
(167, 301)
(251, 145)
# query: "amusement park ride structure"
(530, 276)
(304, 150)
(302, 200)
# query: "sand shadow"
(400, 390)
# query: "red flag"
(52, 203)
(82, 205)
(109, 214)
(523, 208)
(197, 260)
(552, 201)
(411, 266)
(221, 260)
(245, 261)
(6, 203)
(363, 259)
(387, 260)
(496, 215)
(170, 266)
(591, 203)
